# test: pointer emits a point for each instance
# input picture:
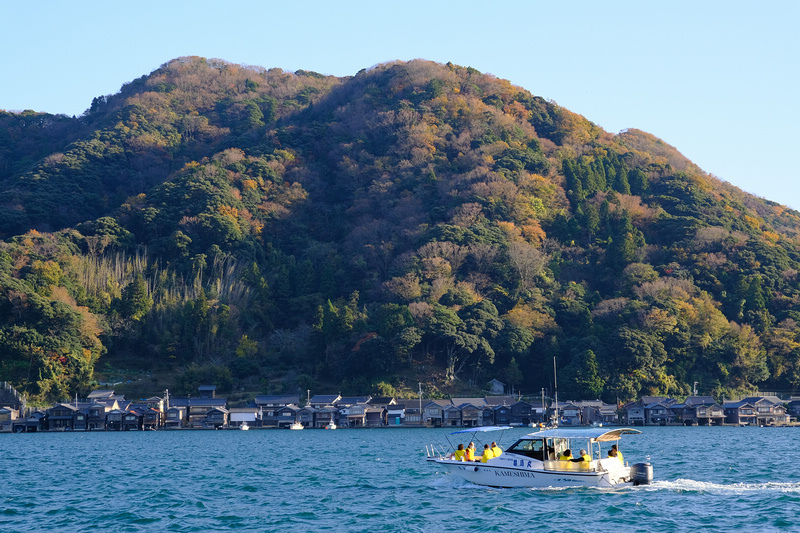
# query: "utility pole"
(420, 403)
(694, 389)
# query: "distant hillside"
(274, 231)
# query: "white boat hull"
(502, 472)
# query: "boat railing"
(569, 466)
(432, 452)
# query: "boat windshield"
(529, 448)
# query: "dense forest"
(271, 231)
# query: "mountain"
(274, 231)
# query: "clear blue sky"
(719, 80)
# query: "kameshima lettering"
(512, 473)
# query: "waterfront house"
(355, 416)
(451, 415)
(521, 414)
(699, 410)
(216, 417)
(396, 414)
(374, 416)
(326, 415)
(176, 417)
(502, 415)
(306, 416)
(34, 422)
(7, 417)
(114, 419)
(413, 414)
(243, 415)
(271, 404)
(433, 412)
(769, 410)
(569, 414)
(284, 417)
(634, 413)
(132, 420)
(658, 414)
(61, 417)
(793, 407)
(739, 413)
(198, 409)
(152, 418)
(471, 415)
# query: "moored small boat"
(296, 425)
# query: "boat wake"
(690, 485)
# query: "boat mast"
(555, 383)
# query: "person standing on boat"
(470, 452)
(496, 451)
(487, 453)
(619, 453)
(566, 455)
(459, 453)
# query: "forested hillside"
(273, 231)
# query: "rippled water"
(717, 479)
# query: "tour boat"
(296, 425)
(531, 460)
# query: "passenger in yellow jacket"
(496, 451)
(470, 452)
(459, 453)
(619, 453)
(487, 453)
(566, 455)
(584, 458)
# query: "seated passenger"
(584, 458)
(619, 453)
(458, 455)
(612, 453)
(470, 452)
(566, 455)
(487, 453)
(496, 451)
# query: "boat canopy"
(483, 429)
(593, 434)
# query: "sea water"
(709, 478)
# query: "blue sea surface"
(709, 478)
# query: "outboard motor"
(642, 474)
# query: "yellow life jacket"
(563, 457)
(470, 454)
(496, 451)
(619, 456)
(587, 458)
(487, 454)
(459, 455)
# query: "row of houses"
(106, 410)
(705, 411)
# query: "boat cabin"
(548, 445)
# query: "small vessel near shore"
(244, 426)
(532, 461)
(296, 425)
(331, 425)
